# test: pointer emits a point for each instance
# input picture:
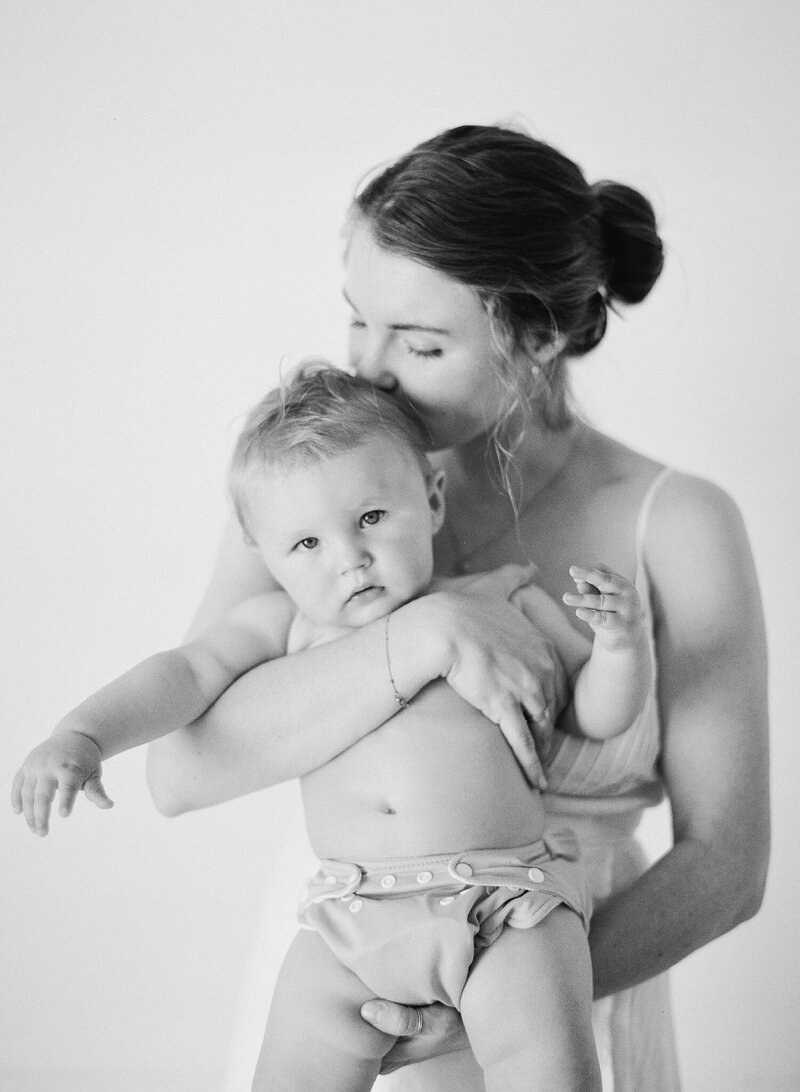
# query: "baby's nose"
(353, 556)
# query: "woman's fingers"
(519, 736)
(542, 729)
(391, 1018)
(442, 1031)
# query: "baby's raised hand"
(66, 762)
(609, 603)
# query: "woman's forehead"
(413, 293)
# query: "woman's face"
(426, 335)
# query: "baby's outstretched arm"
(611, 687)
(162, 693)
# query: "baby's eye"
(357, 323)
(309, 543)
(369, 519)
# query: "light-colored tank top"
(619, 774)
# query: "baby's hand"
(67, 762)
(609, 603)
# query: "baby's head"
(331, 484)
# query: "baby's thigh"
(315, 1037)
(527, 1007)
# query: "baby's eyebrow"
(419, 328)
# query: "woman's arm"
(713, 702)
(290, 716)
(285, 718)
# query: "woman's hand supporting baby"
(442, 1031)
(491, 655)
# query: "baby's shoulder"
(305, 633)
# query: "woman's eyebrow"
(406, 325)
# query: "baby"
(439, 880)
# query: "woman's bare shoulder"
(614, 465)
(696, 547)
(689, 508)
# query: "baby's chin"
(363, 608)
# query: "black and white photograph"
(401, 479)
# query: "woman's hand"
(494, 658)
(424, 1032)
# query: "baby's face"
(349, 538)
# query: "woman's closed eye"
(425, 353)
(375, 515)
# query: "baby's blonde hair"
(317, 413)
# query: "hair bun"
(633, 248)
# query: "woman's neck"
(536, 463)
(482, 512)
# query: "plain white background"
(174, 177)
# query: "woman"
(477, 266)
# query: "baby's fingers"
(600, 578)
(95, 792)
(38, 804)
(603, 598)
(16, 791)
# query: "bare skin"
(581, 500)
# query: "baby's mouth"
(366, 591)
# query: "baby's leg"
(315, 1039)
(527, 1008)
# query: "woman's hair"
(317, 413)
(514, 219)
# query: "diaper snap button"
(536, 875)
(463, 869)
(355, 906)
(424, 877)
(388, 881)
(447, 900)
(330, 880)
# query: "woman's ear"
(545, 352)
(436, 499)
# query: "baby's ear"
(436, 484)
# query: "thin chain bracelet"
(398, 697)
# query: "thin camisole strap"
(644, 512)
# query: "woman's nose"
(369, 361)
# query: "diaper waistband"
(519, 867)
